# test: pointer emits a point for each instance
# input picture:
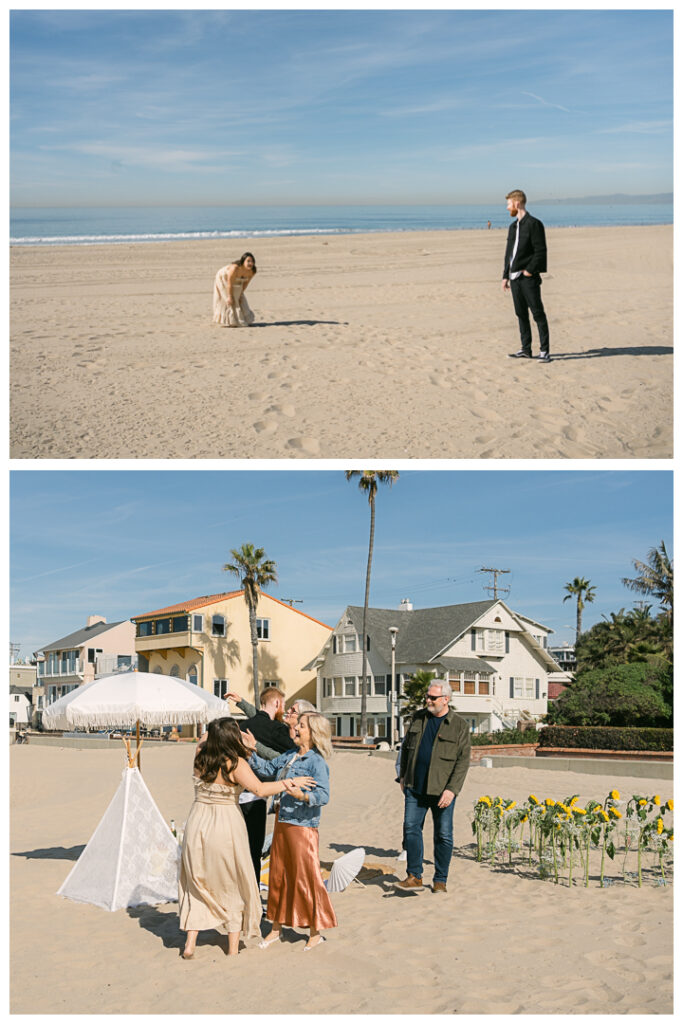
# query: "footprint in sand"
(265, 426)
(284, 408)
(307, 444)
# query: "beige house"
(207, 641)
(99, 648)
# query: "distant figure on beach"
(273, 738)
(434, 759)
(216, 886)
(297, 897)
(526, 258)
(230, 306)
(488, 224)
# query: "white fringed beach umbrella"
(125, 699)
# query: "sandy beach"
(498, 942)
(378, 345)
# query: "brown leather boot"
(409, 884)
(439, 887)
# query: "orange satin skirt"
(297, 896)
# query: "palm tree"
(254, 571)
(655, 577)
(584, 593)
(368, 482)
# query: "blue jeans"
(416, 807)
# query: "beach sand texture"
(378, 345)
(497, 942)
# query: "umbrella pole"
(137, 743)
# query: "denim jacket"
(293, 811)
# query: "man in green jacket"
(435, 756)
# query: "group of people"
(283, 755)
(526, 258)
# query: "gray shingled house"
(496, 660)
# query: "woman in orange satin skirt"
(297, 896)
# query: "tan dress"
(223, 313)
(217, 887)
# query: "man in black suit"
(273, 739)
(526, 258)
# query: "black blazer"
(271, 733)
(532, 254)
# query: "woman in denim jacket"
(297, 896)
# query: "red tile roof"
(202, 602)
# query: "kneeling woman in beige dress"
(230, 306)
(297, 896)
(217, 887)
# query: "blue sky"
(120, 543)
(239, 107)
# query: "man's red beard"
(279, 716)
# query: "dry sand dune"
(382, 345)
(497, 942)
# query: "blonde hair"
(321, 733)
(518, 195)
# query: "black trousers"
(255, 819)
(526, 295)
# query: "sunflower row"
(560, 835)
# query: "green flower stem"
(588, 848)
(602, 859)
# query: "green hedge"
(602, 737)
(487, 739)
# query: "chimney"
(93, 620)
(405, 605)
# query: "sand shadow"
(167, 928)
(370, 851)
(301, 323)
(53, 853)
(598, 353)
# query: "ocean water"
(128, 224)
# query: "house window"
(192, 675)
(380, 686)
(263, 629)
(123, 660)
(198, 623)
(163, 626)
(145, 628)
(16, 698)
(218, 625)
(270, 682)
(337, 686)
(529, 688)
(349, 686)
(175, 672)
(484, 685)
(349, 643)
(455, 684)
(220, 688)
(470, 686)
(180, 624)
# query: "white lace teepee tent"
(132, 857)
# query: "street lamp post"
(394, 695)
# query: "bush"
(621, 695)
(606, 738)
(485, 739)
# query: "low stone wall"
(502, 750)
(664, 756)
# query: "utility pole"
(494, 587)
(291, 601)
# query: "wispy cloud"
(638, 128)
(546, 103)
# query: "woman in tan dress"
(230, 306)
(217, 887)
